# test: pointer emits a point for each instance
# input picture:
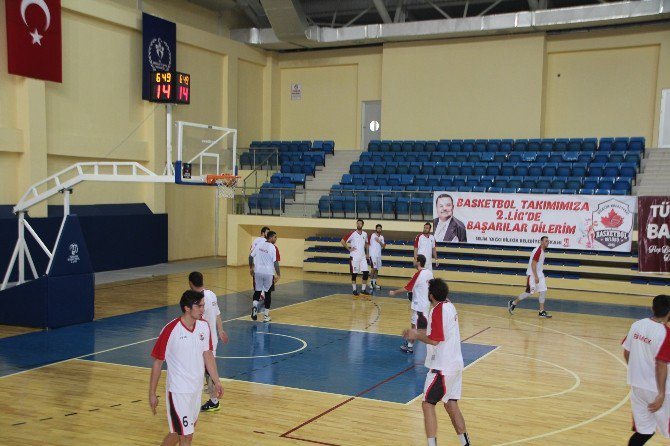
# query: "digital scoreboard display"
(170, 87)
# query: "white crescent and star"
(37, 37)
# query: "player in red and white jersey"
(444, 361)
(420, 304)
(375, 245)
(212, 315)
(424, 243)
(356, 242)
(647, 352)
(535, 281)
(264, 262)
(186, 344)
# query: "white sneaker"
(267, 318)
(377, 287)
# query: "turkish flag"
(34, 39)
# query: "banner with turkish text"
(34, 45)
(584, 222)
(654, 234)
(159, 48)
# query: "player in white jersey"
(376, 244)
(424, 243)
(535, 281)
(186, 344)
(356, 242)
(257, 240)
(444, 361)
(420, 304)
(647, 352)
(211, 314)
(264, 261)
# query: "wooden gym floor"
(327, 369)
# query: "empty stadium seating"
(396, 179)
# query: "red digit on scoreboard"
(166, 90)
(183, 93)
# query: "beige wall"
(249, 103)
(607, 83)
(471, 88)
(334, 83)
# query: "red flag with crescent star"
(34, 39)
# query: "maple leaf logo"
(612, 220)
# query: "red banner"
(654, 234)
(34, 39)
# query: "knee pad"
(257, 295)
(268, 299)
(353, 277)
(366, 274)
(410, 296)
(542, 296)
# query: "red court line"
(311, 420)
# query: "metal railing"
(289, 201)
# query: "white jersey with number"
(443, 327)
(376, 242)
(418, 286)
(424, 244)
(647, 341)
(357, 242)
(211, 312)
(536, 256)
(265, 255)
(182, 349)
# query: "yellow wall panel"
(475, 88)
(249, 103)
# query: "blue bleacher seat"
(564, 170)
(596, 169)
(495, 189)
(590, 183)
(535, 170)
(610, 170)
(628, 170)
(587, 191)
(624, 184)
(579, 170)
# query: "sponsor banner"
(654, 234)
(159, 48)
(585, 222)
(34, 46)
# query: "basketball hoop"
(225, 184)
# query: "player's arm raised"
(153, 384)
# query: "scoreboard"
(170, 87)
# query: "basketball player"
(376, 244)
(212, 315)
(356, 242)
(257, 240)
(264, 262)
(420, 305)
(444, 361)
(186, 344)
(647, 352)
(424, 243)
(535, 281)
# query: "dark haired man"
(535, 281)
(212, 315)
(264, 262)
(647, 353)
(447, 227)
(444, 361)
(424, 243)
(356, 242)
(186, 344)
(376, 244)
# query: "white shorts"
(262, 281)
(532, 287)
(376, 262)
(358, 265)
(645, 422)
(441, 387)
(182, 412)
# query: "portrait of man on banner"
(447, 227)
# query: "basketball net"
(225, 184)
